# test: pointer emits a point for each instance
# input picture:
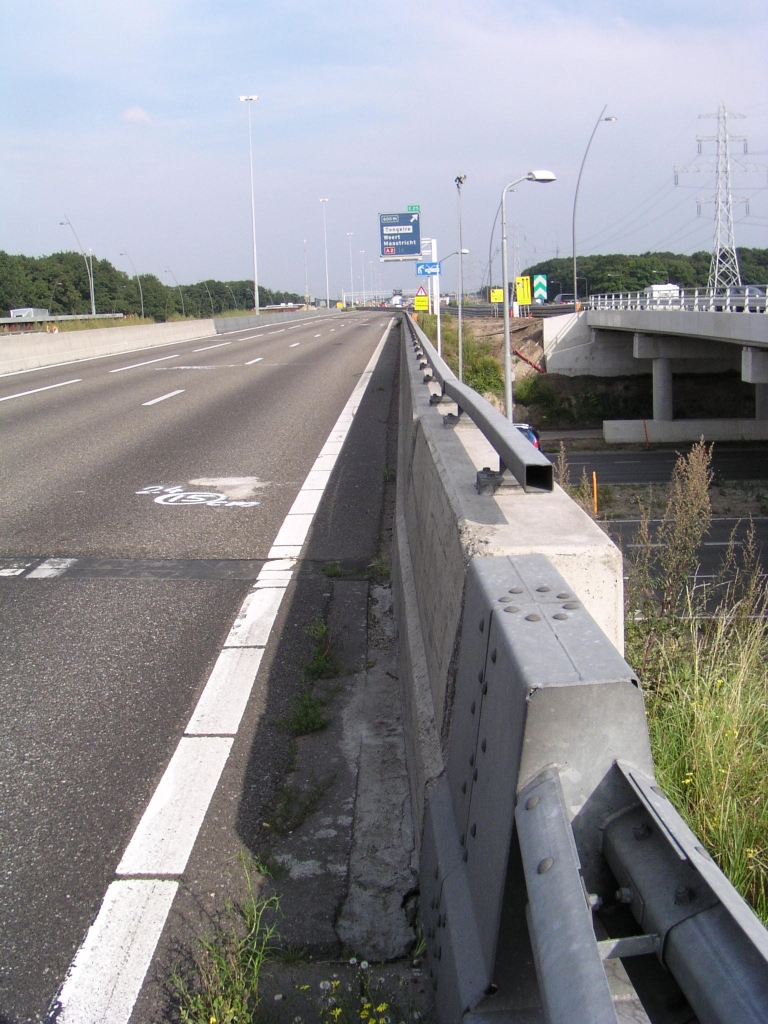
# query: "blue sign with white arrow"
(429, 269)
(400, 236)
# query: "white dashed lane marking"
(206, 348)
(256, 360)
(162, 398)
(133, 366)
(295, 343)
(34, 391)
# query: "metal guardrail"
(744, 299)
(528, 466)
(549, 850)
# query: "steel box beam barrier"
(549, 851)
(528, 466)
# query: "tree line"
(59, 283)
(622, 273)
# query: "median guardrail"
(528, 465)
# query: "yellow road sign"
(523, 290)
(421, 302)
(497, 294)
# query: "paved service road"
(139, 496)
(746, 462)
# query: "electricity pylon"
(724, 269)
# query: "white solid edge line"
(162, 398)
(34, 391)
(146, 362)
(252, 361)
(206, 348)
(106, 975)
(164, 837)
(223, 701)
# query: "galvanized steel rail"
(528, 466)
(744, 299)
(550, 853)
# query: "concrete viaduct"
(619, 342)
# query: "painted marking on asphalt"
(207, 348)
(252, 361)
(162, 398)
(107, 973)
(15, 568)
(176, 495)
(317, 335)
(250, 337)
(221, 706)
(146, 362)
(51, 568)
(281, 331)
(164, 837)
(294, 344)
(34, 391)
(254, 621)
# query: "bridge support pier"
(754, 369)
(662, 389)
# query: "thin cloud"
(136, 115)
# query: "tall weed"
(703, 651)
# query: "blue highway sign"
(400, 235)
(429, 269)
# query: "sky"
(123, 115)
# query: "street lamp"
(141, 293)
(362, 271)
(325, 242)
(351, 272)
(459, 181)
(543, 177)
(249, 100)
(576, 199)
(88, 269)
(373, 288)
(181, 293)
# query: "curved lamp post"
(543, 177)
(181, 293)
(249, 100)
(141, 293)
(88, 268)
(576, 199)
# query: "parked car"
(529, 434)
(563, 299)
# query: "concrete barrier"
(28, 351)
(656, 431)
(441, 524)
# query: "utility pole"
(459, 181)
(724, 271)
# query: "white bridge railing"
(744, 299)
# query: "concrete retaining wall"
(441, 524)
(573, 349)
(27, 351)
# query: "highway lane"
(102, 664)
(742, 462)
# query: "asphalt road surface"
(745, 462)
(118, 589)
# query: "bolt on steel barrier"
(528, 466)
(558, 883)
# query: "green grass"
(305, 716)
(482, 371)
(228, 965)
(294, 804)
(322, 663)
